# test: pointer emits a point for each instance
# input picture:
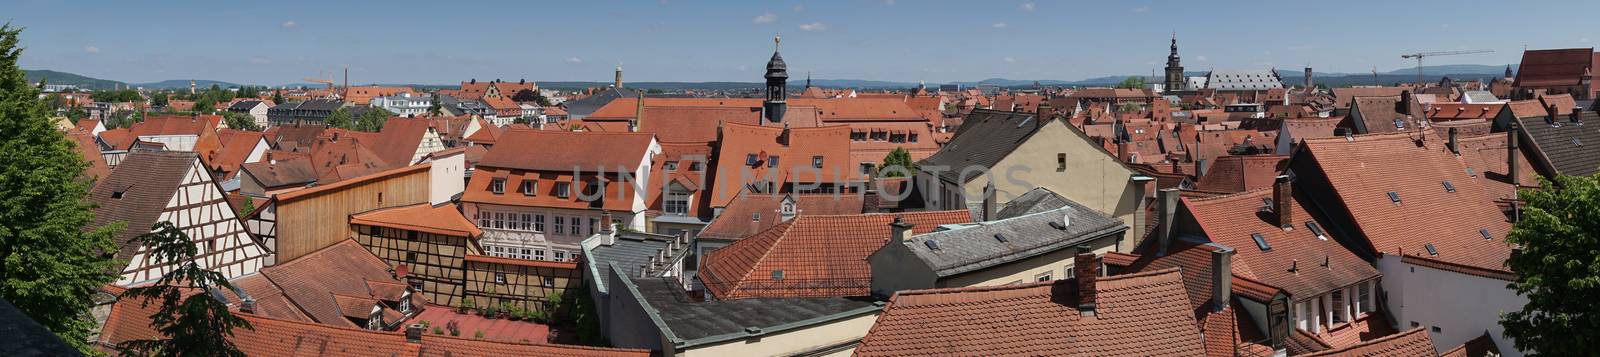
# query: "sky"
(440, 42)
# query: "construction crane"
(328, 82)
(1420, 55)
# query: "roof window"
(933, 245)
(750, 160)
(1485, 233)
(1317, 230)
(1431, 249)
(1449, 187)
(1471, 172)
(1261, 242)
(1000, 237)
(777, 274)
(1394, 197)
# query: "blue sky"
(401, 41)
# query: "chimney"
(1046, 111)
(1122, 151)
(1087, 270)
(1404, 105)
(1199, 167)
(247, 305)
(414, 333)
(1576, 116)
(638, 114)
(901, 229)
(1168, 210)
(1512, 133)
(1452, 143)
(1282, 195)
(618, 84)
(989, 202)
(1221, 278)
(1550, 112)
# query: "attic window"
(999, 237)
(497, 185)
(117, 195)
(1399, 124)
(933, 245)
(1431, 249)
(669, 165)
(1058, 225)
(1394, 197)
(755, 216)
(1449, 187)
(529, 187)
(750, 160)
(1261, 242)
(777, 274)
(772, 161)
(1471, 172)
(816, 161)
(1317, 230)
(1485, 233)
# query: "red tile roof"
(312, 281)
(445, 219)
(738, 219)
(1410, 343)
(1137, 315)
(1461, 111)
(1363, 170)
(236, 148)
(84, 143)
(794, 161)
(1242, 173)
(831, 110)
(679, 124)
(1554, 67)
(1232, 219)
(561, 151)
(276, 337)
(362, 95)
(494, 330)
(177, 125)
(810, 255)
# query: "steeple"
(808, 79)
(1174, 80)
(618, 83)
(1508, 71)
(777, 84)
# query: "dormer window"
(772, 161)
(563, 189)
(750, 160)
(529, 187)
(816, 161)
(498, 185)
(1399, 124)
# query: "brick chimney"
(1087, 271)
(1404, 105)
(1046, 111)
(1550, 112)
(901, 229)
(1512, 134)
(1221, 278)
(1282, 196)
(1453, 143)
(1167, 208)
(1576, 115)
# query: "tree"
(50, 265)
(241, 121)
(196, 325)
(277, 97)
(158, 100)
(434, 107)
(1133, 82)
(340, 119)
(372, 120)
(525, 95)
(897, 164)
(1559, 229)
(204, 105)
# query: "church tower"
(777, 85)
(1174, 69)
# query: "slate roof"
(1231, 220)
(984, 138)
(1362, 170)
(810, 255)
(275, 337)
(1409, 343)
(628, 252)
(1039, 199)
(583, 107)
(243, 105)
(978, 246)
(689, 319)
(1137, 315)
(1566, 146)
(26, 337)
(146, 181)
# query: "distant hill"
(54, 77)
(184, 84)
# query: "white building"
(404, 104)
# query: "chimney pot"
(1087, 271)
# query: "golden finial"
(776, 41)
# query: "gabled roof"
(281, 173)
(1137, 315)
(1554, 67)
(561, 151)
(313, 280)
(136, 192)
(1342, 96)
(1378, 114)
(236, 148)
(1482, 346)
(750, 213)
(176, 125)
(1565, 145)
(592, 104)
(1410, 343)
(445, 219)
(1231, 220)
(810, 256)
(399, 139)
(781, 155)
(1239, 173)
(1364, 170)
(1243, 80)
(984, 138)
(1037, 200)
(980, 245)
(84, 143)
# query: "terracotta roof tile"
(1137, 315)
(810, 256)
(739, 219)
(1242, 173)
(1554, 67)
(312, 281)
(1232, 220)
(443, 219)
(1410, 343)
(779, 161)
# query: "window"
(573, 229)
(1363, 297)
(483, 219)
(563, 189)
(538, 223)
(1338, 306)
(525, 254)
(1471, 173)
(1485, 233)
(1394, 197)
(866, 168)
(912, 137)
(677, 203)
(561, 222)
(750, 160)
(411, 257)
(1399, 124)
(497, 186)
(694, 166)
(499, 278)
(1061, 162)
(1436, 329)
(1068, 273)
(538, 254)
(561, 255)
(1261, 242)
(1045, 276)
(1431, 249)
(816, 162)
(549, 282)
(669, 166)
(756, 216)
(1317, 230)
(1449, 187)
(499, 220)
(772, 161)
(529, 187)
(592, 223)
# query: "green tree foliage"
(372, 120)
(196, 325)
(50, 265)
(241, 121)
(340, 118)
(159, 100)
(1134, 82)
(277, 97)
(525, 95)
(1558, 267)
(897, 164)
(435, 108)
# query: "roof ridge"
(1231, 196)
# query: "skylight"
(1472, 173)
(933, 245)
(1431, 250)
(1394, 197)
(1058, 225)
(1449, 187)
(1261, 242)
(1317, 230)
(777, 274)
(998, 236)
(1485, 233)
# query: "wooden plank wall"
(309, 223)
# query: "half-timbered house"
(173, 186)
(428, 243)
